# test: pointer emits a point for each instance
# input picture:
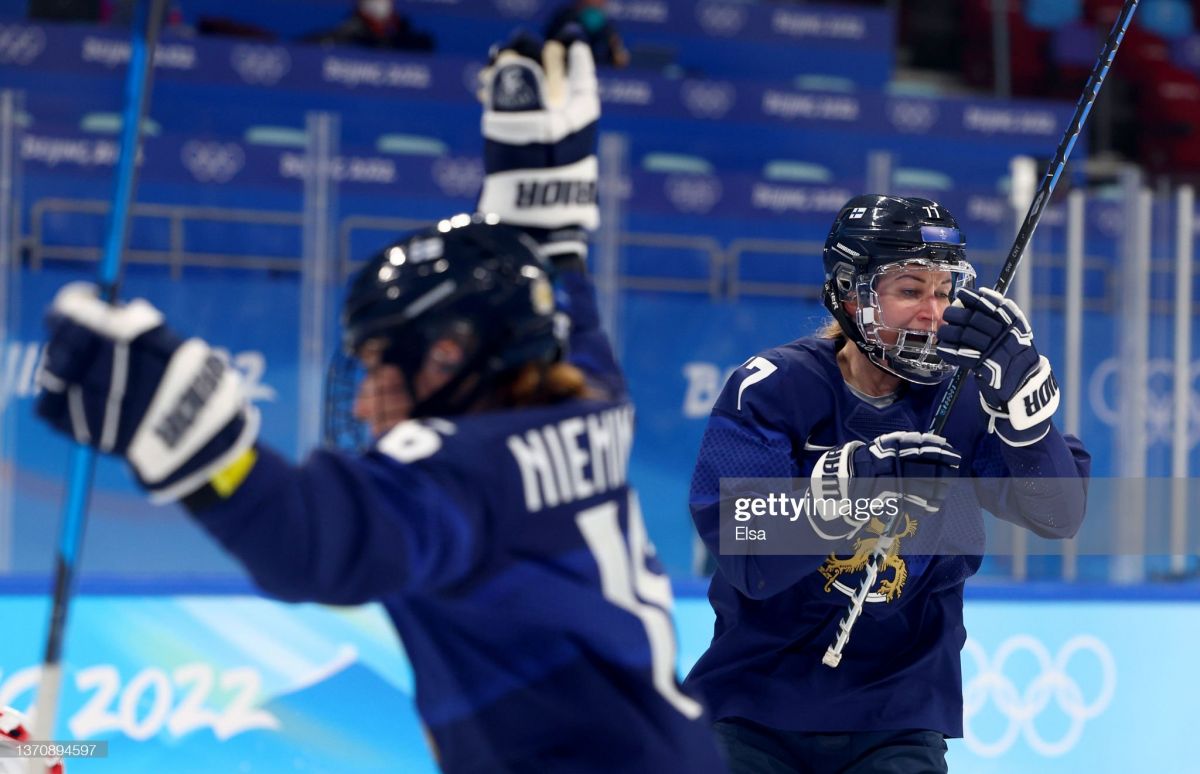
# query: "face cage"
(341, 429)
(913, 357)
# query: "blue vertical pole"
(138, 81)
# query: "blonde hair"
(535, 384)
(832, 329)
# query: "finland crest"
(887, 588)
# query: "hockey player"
(491, 515)
(852, 403)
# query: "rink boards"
(233, 682)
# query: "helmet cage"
(911, 354)
(341, 429)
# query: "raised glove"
(540, 107)
(989, 334)
(116, 378)
(914, 467)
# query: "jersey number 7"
(762, 368)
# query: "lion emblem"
(863, 548)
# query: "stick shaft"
(1083, 108)
(1045, 190)
(138, 81)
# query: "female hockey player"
(491, 516)
(853, 403)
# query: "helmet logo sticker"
(423, 250)
(857, 213)
(542, 296)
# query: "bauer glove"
(116, 378)
(988, 334)
(917, 468)
(540, 108)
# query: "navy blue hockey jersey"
(510, 553)
(777, 614)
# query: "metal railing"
(176, 255)
(725, 263)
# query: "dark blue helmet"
(478, 281)
(871, 233)
(874, 230)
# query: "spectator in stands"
(226, 27)
(116, 12)
(375, 24)
(120, 13)
(60, 11)
(592, 19)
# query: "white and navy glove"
(540, 108)
(988, 334)
(116, 378)
(916, 468)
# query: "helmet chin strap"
(451, 399)
(456, 395)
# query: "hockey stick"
(833, 654)
(138, 81)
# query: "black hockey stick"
(833, 654)
(138, 80)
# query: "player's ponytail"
(534, 384)
(831, 330)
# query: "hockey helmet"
(470, 277)
(872, 236)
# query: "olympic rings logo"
(913, 115)
(1159, 408)
(721, 19)
(1054, 682)
(458, 176)
(708, 99)
(693, 193)
(264, 65)
(212, 162)
(521, 8)
(21, 45)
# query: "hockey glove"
(988, 333)
(116, 378)
(914, 467)
(540, 107)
